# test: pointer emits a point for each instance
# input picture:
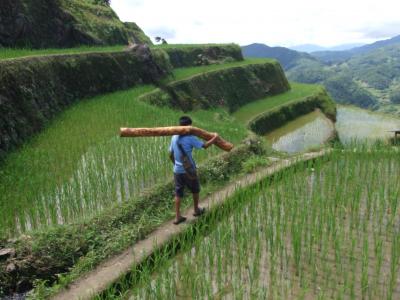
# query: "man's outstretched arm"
(210, 142)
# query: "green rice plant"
(297, 236)
(79, 165)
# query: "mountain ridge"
(368, 77)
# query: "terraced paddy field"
(9, 53)
(327, 229)
(297, 92)
(79, 165)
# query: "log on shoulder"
(173, 130)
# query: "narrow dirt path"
(111, 270)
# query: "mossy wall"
(231, 87)
(275, 118)
(186, 56)
(34, 90)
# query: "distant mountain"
(376, 45)
(367, 76)
(287, 57)
(310, 48)
(341, 56)
(345, 47)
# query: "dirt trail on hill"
(111, 270)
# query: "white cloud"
(282, 22)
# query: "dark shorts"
(181, 181)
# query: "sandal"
(199, 212)
(180, 220)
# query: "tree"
(160, 39)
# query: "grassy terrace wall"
(231, 87)
(277, 117)
(192, 55)
(35, 89)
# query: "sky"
(280, 22)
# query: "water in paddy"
(315, 129)
(355, 123)
(305, 132)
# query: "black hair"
(185, 121)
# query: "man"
(183, 177)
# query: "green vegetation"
(34, 90)
(395, 96)
(73, 249)
(196, 55)
(297, 91)
(227, 87)
(366, 79)
(79, 165)
(8, 53)
(326, 229)
(278, 116)
(345, 90)
(64, 23)
(186, 73)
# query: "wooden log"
(175, 130)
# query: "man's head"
(185, 121)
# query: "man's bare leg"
(196, 202)
(177, 207)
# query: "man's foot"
(200, 211)
(181, 219)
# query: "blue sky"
(279, 22)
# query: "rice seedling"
(326, 233)
(79, 165)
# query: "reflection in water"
(305, 132)
(314, 129)
(355, 124)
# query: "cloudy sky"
(278, 22)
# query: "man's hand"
(212, 141)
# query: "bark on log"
(173, 130)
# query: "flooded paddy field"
(328, 229)
(314, 129)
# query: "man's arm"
(210, 142)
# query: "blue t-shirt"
(188, 142)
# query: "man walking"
(185, 174)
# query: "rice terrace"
(299, 191)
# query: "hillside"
(287, 57)
(341, 56)
(63, 23)
(369, 79)
(310, 48)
